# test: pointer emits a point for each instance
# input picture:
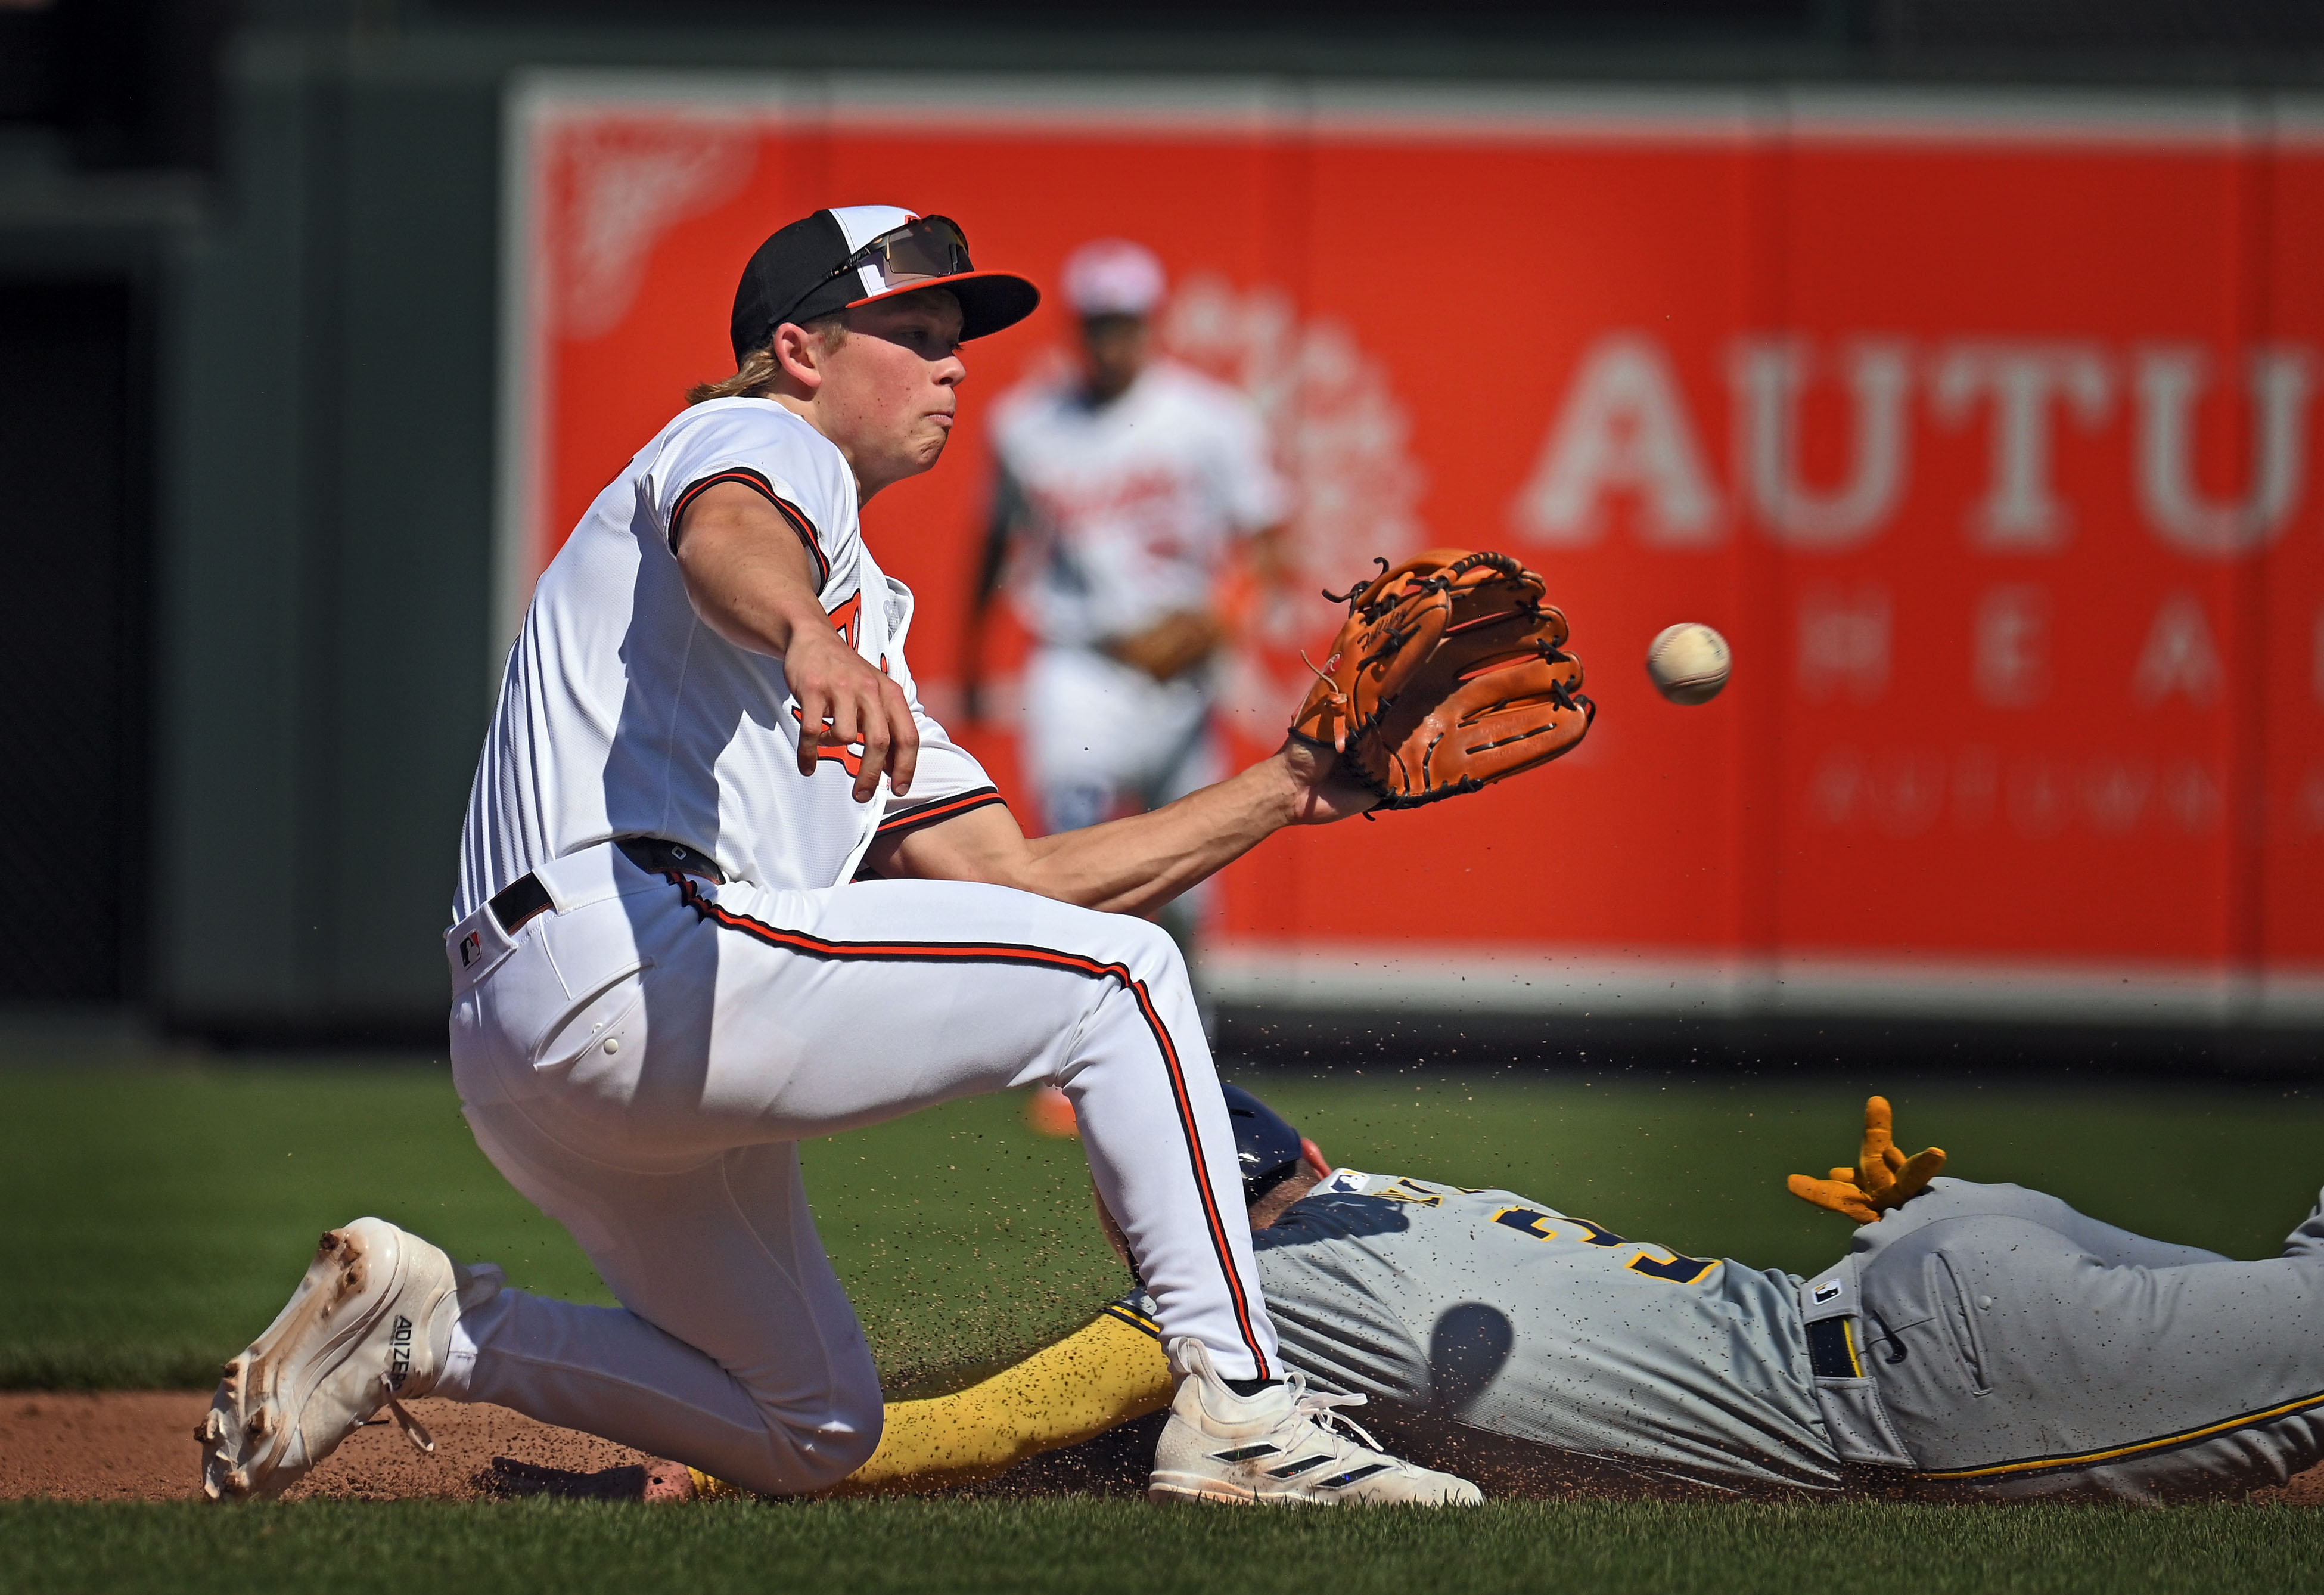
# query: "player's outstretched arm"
(1136, 865)
(1102, 1375)
(751, 581)
(1883, 1178)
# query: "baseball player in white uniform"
(1121, 489)
(726, 885)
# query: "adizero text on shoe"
(1283, 1446)
(364, 1329)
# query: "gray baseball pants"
(2021, 1348)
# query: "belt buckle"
(658, 855)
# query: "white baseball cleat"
(1282, 1446)
(367, 1327)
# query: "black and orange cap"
(852, 255)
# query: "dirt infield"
(138, 1446)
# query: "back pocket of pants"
(1956, 1310)
(597, 1019)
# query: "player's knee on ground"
(804, 1455)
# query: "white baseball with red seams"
(642, 1058)
(1689, 662)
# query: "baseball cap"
(1114, 277)
(1266, 1146)
(852, 255)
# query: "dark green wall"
(324, 682)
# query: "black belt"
(526, 899)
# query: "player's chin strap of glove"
(1883, 1178)
(1450, 673)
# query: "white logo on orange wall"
(1624, 431)
(1906, 791)
(1625, 428)
(1770, 377)
(615, 189)
(2023, 384)
(2170, 380)
(1341, 436)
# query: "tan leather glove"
(1173, 645)
(1450, 673)
(1883, 1177)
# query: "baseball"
(1688, 662)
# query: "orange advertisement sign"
(1983, 427)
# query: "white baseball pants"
(642, 1061)
(1098, 731)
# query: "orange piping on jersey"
(940, 809)
(1040, 957)
(759, 484)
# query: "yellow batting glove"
(1883, 1178)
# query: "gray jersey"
(1496, 1311)
(1983, 1339)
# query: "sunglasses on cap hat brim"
(930, 246)
(928, 252)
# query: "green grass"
(1124, 1547)
(159, 1214)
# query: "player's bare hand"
(1883, 1178)
(842, 702)
(1317, 789)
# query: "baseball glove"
(1883, 1178)
(1449, 674)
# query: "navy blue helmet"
(1266, 1145)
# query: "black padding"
(515, 904)
(1830, 1355)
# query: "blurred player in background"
(1123, 491)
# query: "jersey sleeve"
(774, 454)
(948, 782)
(1105, 1374)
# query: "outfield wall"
(1981, 423)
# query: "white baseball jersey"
(1134, 503)
(623, 714)
(643, 1052)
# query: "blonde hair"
(759, 370)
